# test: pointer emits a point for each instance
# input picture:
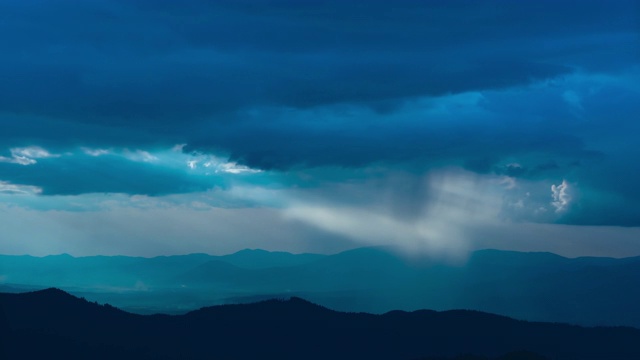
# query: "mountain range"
(531, 286)
(54, 324)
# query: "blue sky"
(146, 127)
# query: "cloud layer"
(337, 113)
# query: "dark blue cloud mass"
(145, 63)
(535, 91)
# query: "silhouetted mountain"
(531, 286)
(516, 355)
(53, 324)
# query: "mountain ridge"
(533, 286)
(288, 329)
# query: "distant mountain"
(261, 259)
(106, 272)
(53, 324)
(530, 286)
(125, 272)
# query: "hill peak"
(60, 256)
(251, 251)
(51, 292)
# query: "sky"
(158, 127)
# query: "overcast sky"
(148, 127)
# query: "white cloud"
(560, 196)
(17, 160)
(140, 156)
(17, 189)
(218, 165)
(27, 155)
(95, 152)
(34, 152)
(234, 168)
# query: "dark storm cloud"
(293, 85)
(280, 140)
(155, 64)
